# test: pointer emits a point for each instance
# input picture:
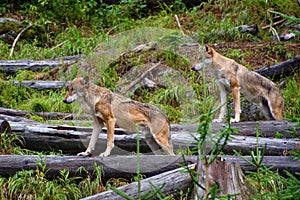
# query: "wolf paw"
(217, 120)
(84, 154)
(234, 120)
(102, 155)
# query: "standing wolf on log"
(113, 109)
(231, 76)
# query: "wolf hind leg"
(266, 109)
(162, 137)
(151, 142)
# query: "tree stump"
(227, 176)
(4, 127)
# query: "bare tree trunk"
(226, 176)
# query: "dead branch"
(17, 38)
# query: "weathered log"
(45, 115)
(274, 128)
(125, 166)
(43, 84)
(113, 167)
(72, 140)
(168, 183)
(227, 177)
(11, 66)
(243, 144)
(283, 69)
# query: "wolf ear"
(85, 80)
(78, 75)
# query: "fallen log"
(227, 177)
(168, 183)
(42, 84)
(72, 140)
(11, 66)
(45, 115)
(275, 128)
(113, 167)
(125, 166)
(283, 69)
(47, 140)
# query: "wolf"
(231, 76)
(111, 109)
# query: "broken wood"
(283, 69)
(17, 38)
(227, 177)
(168, 183)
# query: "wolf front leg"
(97, 128)
(237, 104)
(110, 124)
(223, 96)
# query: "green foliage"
(7, 143)
(12, 96)
(291, 97)
(33, 184)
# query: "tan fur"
(231, 76)
(113, 109)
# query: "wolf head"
(204, 59)
(77, 89)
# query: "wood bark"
(227, 177)
(283, 69)
(170, 182)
